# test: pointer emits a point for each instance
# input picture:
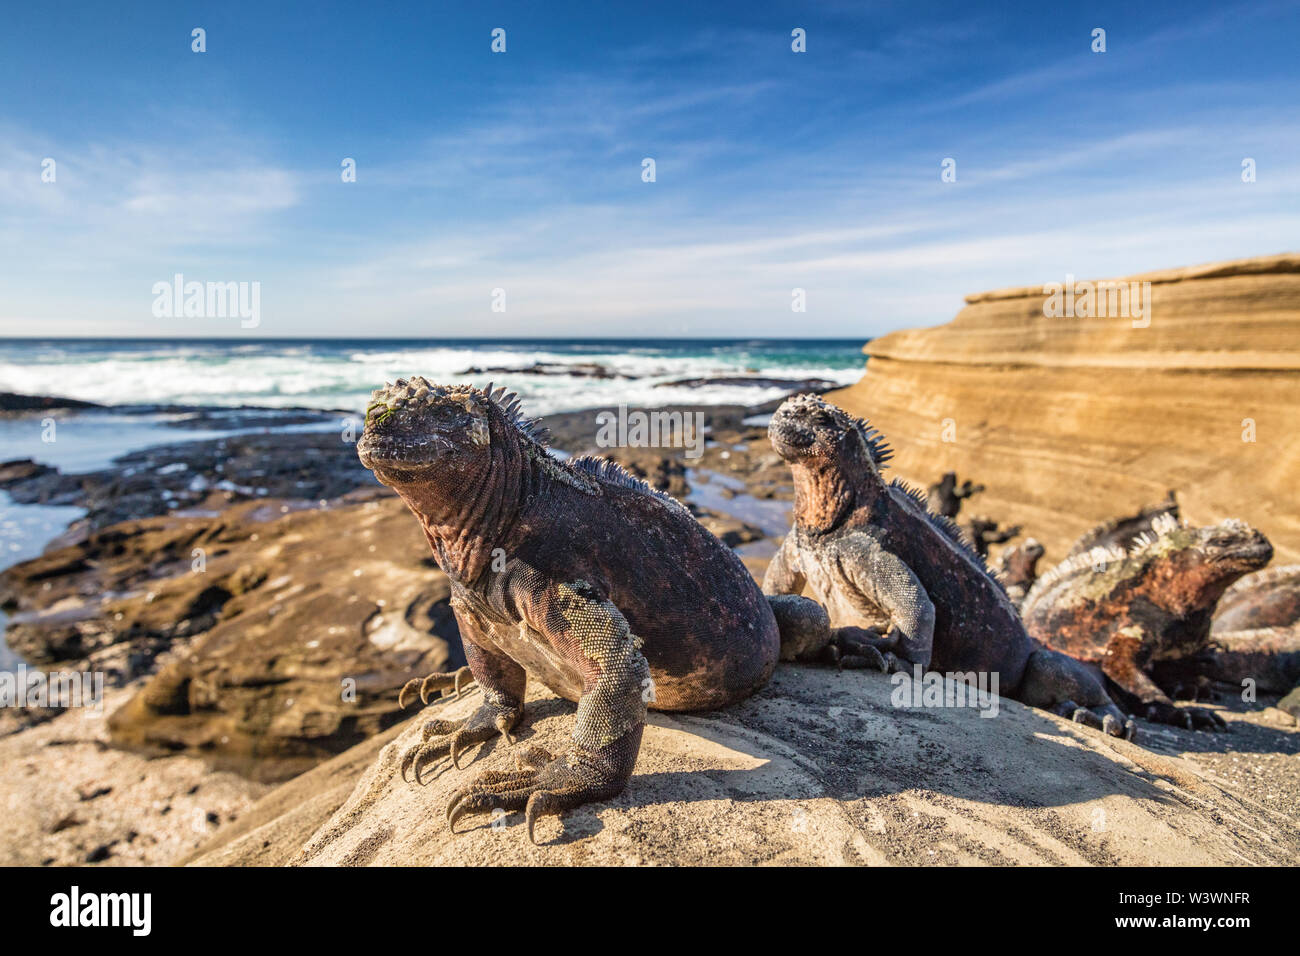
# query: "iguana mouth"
(389, 452)
(414, 423)
(790, 439)
(1251, 553)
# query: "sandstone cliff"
(1070, 421)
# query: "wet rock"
(14, 402)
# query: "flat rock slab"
(818, 768)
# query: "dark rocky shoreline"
(117, 592)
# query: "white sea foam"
(330, 375)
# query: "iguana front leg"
(503, 682)
(884, 580)
(1124, 664)
(588, 633)
(1067, 687)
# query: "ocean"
(340, 373)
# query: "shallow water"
(770, 515)
(24, 532)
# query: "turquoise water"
(340, 373)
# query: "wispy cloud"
(774, 171)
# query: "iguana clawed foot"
(541, 785)
(439, 682)
(853, 648)
(1109, 723)
(1192, 718)
(864, 647)
(452, 737)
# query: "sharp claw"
(453, 805)
(1130, 729)
(530, 819)
(503, 726)
(401, 697)
(459, 674)
(1110, 726)
(456, 743)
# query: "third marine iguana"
(1131, 609)
(574, 572)
(1255, 633)
(871, 552)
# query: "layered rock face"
(1069, 421)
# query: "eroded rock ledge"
(1071, 421)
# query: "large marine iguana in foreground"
(872, 553)
(578, 574)
(1131, 610)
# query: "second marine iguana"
(574, 572)
(870, 551)
(1128, 611)
(1255, 632)
(1018, 568)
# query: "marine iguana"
(1123, 532)
(1255, 632)
(1018, 568)
(1128, 610)
(574, 572)
(945, 496)
(982, 532)
(872, 553)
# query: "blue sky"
(522, 170)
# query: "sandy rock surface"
(818, 768)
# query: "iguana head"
(806, 429)
(1020, 563)
(414, 428)
(1202, 562)
(1233, 547)
(417, 432)
(835, 459)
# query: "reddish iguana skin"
(871, 552)
(573, 572)
(1130, 610)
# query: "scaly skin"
(875, 557)
(608, 592)
(1018, 568)
(1131, 611)
(1255, 632)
